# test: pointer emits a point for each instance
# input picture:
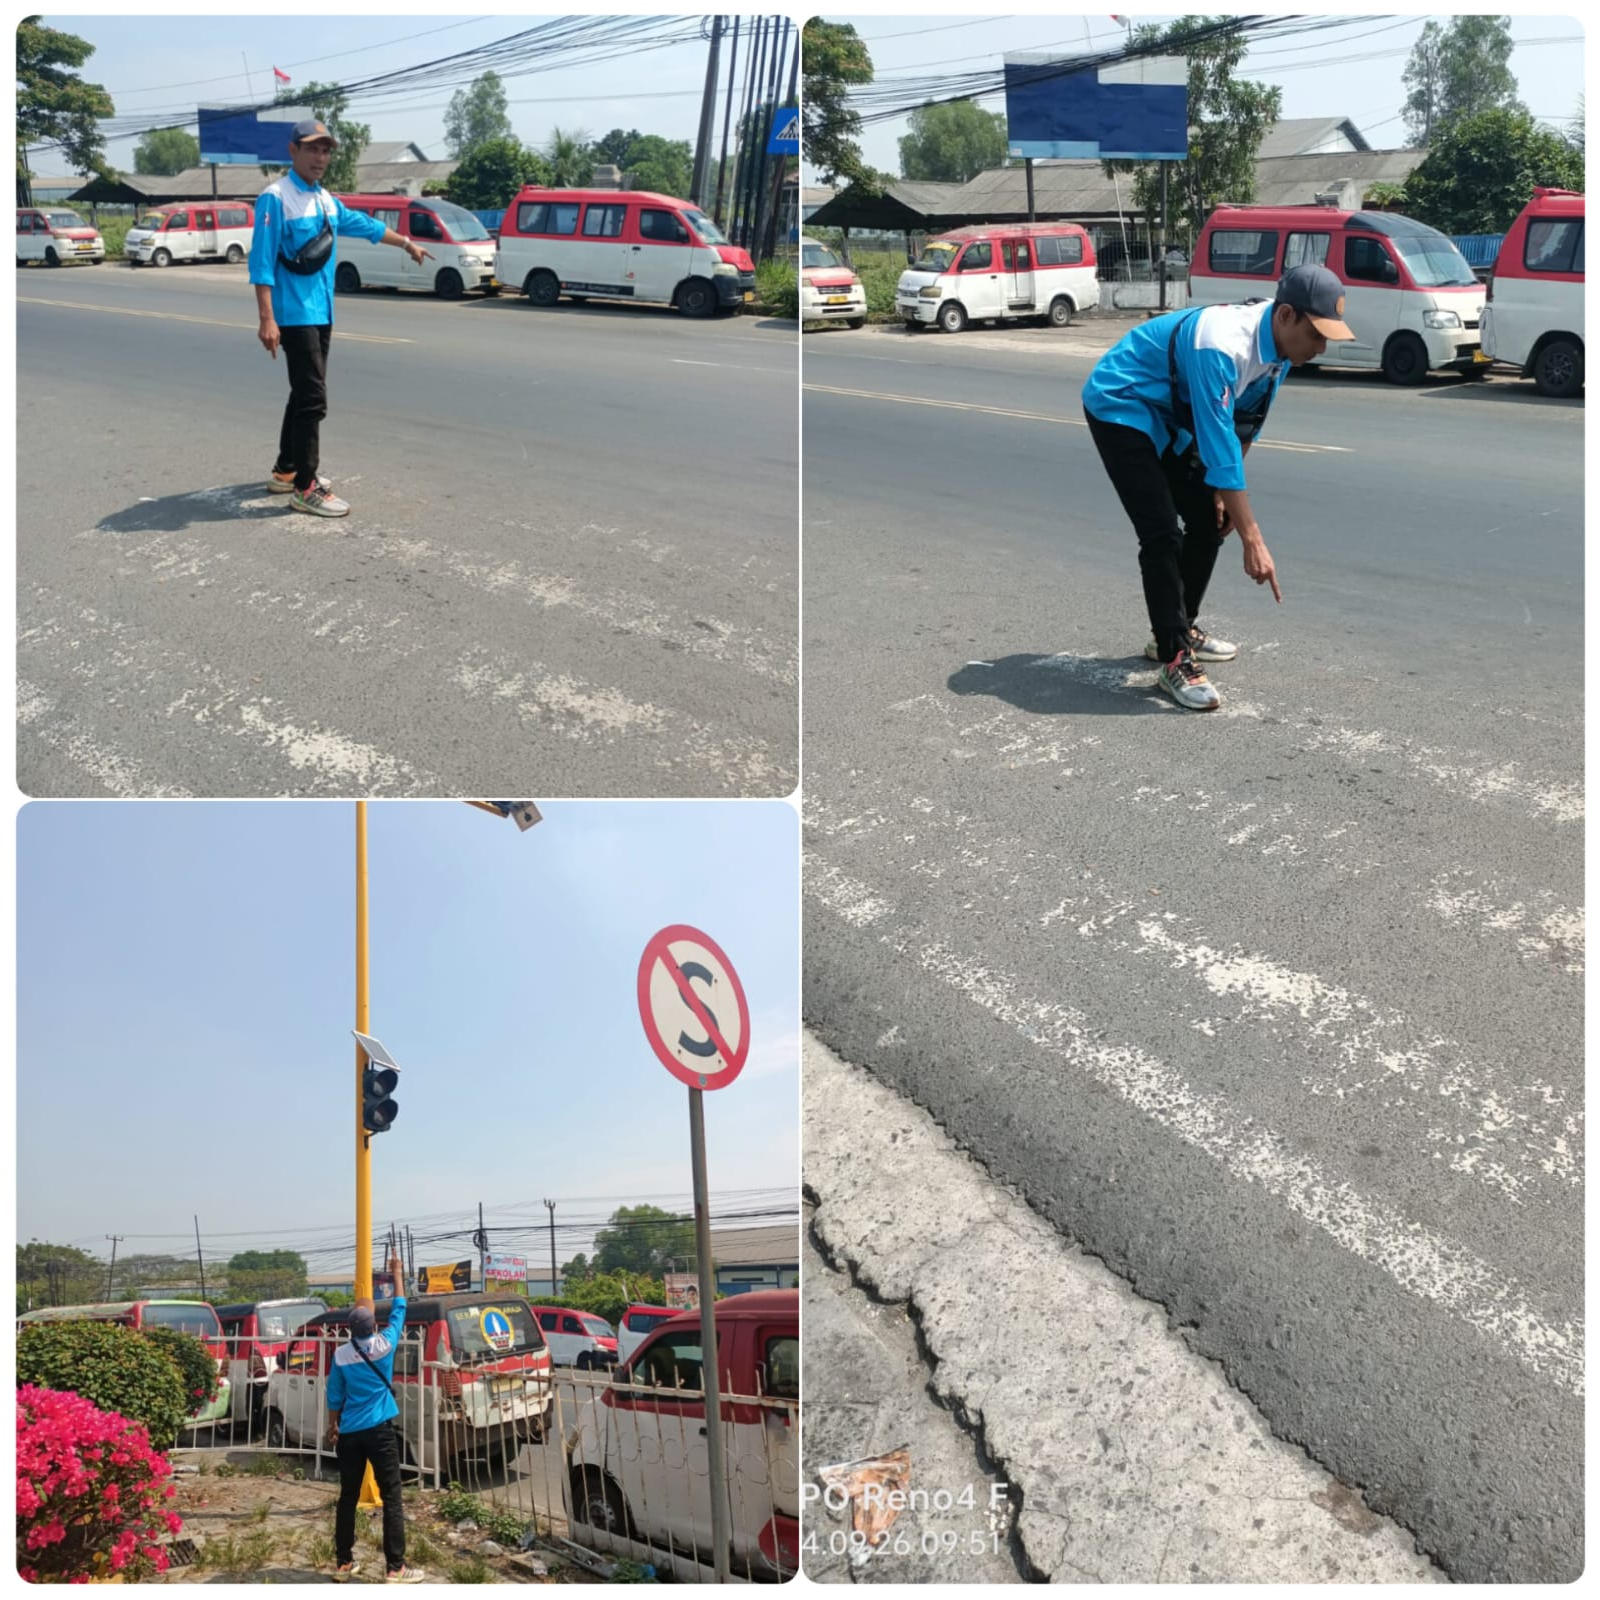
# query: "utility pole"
(201, 1255)
(727, 113)
(481, 1239)
(111, 1271)
(363, 1283)
(783, 161)
(555, 1291)
(708, 117)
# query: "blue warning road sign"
(785, 139)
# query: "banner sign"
(683, 1291)
(504, 1269)
(454, 1279)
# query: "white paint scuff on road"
(174, 316)
(1554, 934)
(113, 771)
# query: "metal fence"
(619, 1469)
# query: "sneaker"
(405, 1575)
(1202, 645)
(318, 502)
(1187, 684)
(345, 1571)
(283, 482)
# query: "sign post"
(698, 1023)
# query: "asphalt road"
(571, 566)
(1276, 1010)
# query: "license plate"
(505, 1386)
(749, 297)
(837, 300)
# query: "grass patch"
(778, 288)
(474, 1569)
(421, 1548)
(247, 1552)
(265, 1465)
(261, 1512)
(319, 1550)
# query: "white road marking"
(733, 366)
(1547, 933)
(174, 316)
(38, 713)
(1419, 1260)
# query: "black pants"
(1173, 511)
(380, 1446)
(306, 352)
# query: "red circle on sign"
(659, 949)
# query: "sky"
(186, 991)
(1315, 73)
(140, 59)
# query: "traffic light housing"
(378, 1108)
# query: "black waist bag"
(1246, 424)
(312, 256)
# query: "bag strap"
(369, 1361)
(1183, 412)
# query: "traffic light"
(378, 1109)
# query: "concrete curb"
(1131, 1458)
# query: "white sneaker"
(1204, 647)
(1187, 684)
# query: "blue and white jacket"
(356, 1394)
(1227, 362)
(289, 214)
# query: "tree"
(612, 151)
(1424, 81)
(166, 150)
(57, 1275)
(54, 105)
(832, 59)
(491, 174)
(575, 1270)
(476, 115)
(1478, 175)
(952, 143)
(609, 1294)
(661, 165)
(643, 1239)
(1228, 119)
(328, 102)
(1477, 70)
(266, 1275)
(567, 151)
(1575, 128)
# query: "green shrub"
(778, 287)
(474, 1569)
(196, 1365)
(113, 1367)
(879, 273)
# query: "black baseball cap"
(1318, 293)
(363, 1323)
(305, 132)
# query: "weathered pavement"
(571, 565)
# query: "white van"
(1000, 272)
(461, 248)
(219, 232)
(577, 1338)
(1534, 315)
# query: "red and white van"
(257, 1333)
(220, 232)
(638, 1323)
(829, 289)
(577, 1338)
(1410, 298)
(620, 244)
(56, 236)
(461, 249)
(1534, 314)
(1000, 272)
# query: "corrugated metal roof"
(1295, 136)
(775, 1246)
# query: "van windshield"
(151, 222)
(200, 1320)
(467, 1337)
(816, 255)
(709, 232)
(66, 219)
(936, 257)
(597, 1327)
(278, 1322)
(1433, 261)
(462, 224)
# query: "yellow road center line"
(1043, 416)
(175, 316)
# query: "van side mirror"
(1391, 273)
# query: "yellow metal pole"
(363, 1285)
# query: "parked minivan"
(473, 1365)
(196, 1317)
(55, 237)
(1533, 317)
(577, 1338)
(638, 1323)
(1000, 272)
(220, 232)
(1411, 300)
(620, 244)
(256, 1336)
(637, 1450)
(460, 246)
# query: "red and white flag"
(282, 77)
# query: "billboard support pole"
(711, 1377)
(213, 183)
(1027, 171)
(1162, 244)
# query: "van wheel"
(542, 288)
(51, 259)
(1060, 312)
(598, 1501)
(162, 258)
(697, 298)
(1558, 369)
(448, 285)
(952, 316)
(235, 254)
(1405, 359)
(277, 1433)
(346, 280)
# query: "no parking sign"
(693, 1008)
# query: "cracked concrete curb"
(1134, 1459)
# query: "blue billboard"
(237, 136)
(1134, 110)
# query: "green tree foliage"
(1455, 71)
(1479, 174)
(661, 165)
(328, 103)
(833, 58)
(576, 1269)
(568, 154)
(57, 1274)
(476, 115)
(1424, 81)
(166, 150)
(1228, 119)
(643, 1239)
(1575, 128)
(266, 1275)
(952, 143)
(491, 174)
(194, 1363)
(55, 105)
(612, 151)
(111, 1366)
(609, 1294)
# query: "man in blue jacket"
(293, 257)
(361, 1413)
(1173, 407)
